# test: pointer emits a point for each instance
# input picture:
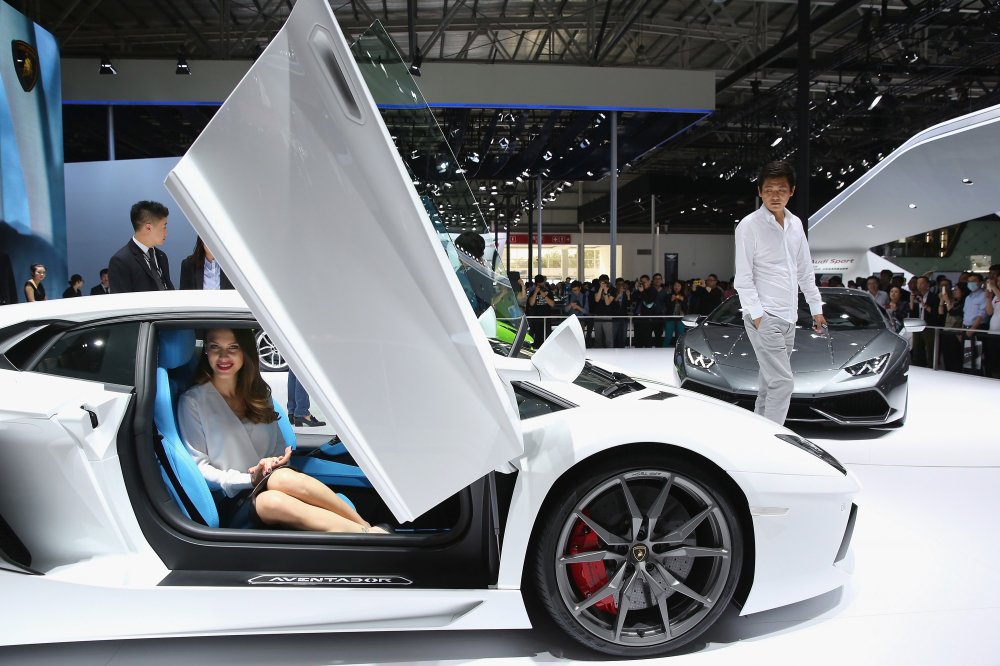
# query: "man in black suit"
(924, 305)
(141, 265)
(103, 287)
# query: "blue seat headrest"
(175, 348)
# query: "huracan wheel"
(639, 559)
(270, 357)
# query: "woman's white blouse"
(223, 445)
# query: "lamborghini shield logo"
(25, 63)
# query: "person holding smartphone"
(541, 305)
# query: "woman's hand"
(268, 465)
(256, 473)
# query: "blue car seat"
(181, 475)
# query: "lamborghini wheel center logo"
(25, 63)
(639, 552)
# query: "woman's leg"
(276, 508)
(310, 491)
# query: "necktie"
(151, 259)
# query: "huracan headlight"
(872, 366)
(697, 359)
(814, 449)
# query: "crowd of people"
(604, 306)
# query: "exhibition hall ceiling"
(879, 73)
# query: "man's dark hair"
(104, 271)
(539, 278)
(147, 211)
(713, 275)
(643, 276)
(835, 281)
(776, 169)
(472, 243)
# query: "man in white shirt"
(772, 264)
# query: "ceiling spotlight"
(777, 141)
(473, 157)
(967, 181)
(567, 183)
(418, 60)
(504, 143)
(913, 205)
(870, 226)
(547, 156)
(107, 69)
(182, 66)
(839, 185)
(878, 98)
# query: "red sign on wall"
(547, 239)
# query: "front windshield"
(465, 233)
(843, 311)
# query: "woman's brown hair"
(250, 386)
(198, 254)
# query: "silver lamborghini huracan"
(854, 375)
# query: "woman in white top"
(229, 425)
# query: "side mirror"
(488, 322)
(914, 324)
(691, 320)
(563, 354)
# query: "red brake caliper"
(589, 576)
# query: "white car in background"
(634, 513)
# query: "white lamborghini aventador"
(633, 512)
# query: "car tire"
(677, 508)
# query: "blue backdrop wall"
(32, 208)
(99, 196)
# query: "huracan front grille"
(867, 406)
(864, 406)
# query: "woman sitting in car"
(228, 423)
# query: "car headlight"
(814, 449)
(697, 359)
(872, 366)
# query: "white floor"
(925, 590)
